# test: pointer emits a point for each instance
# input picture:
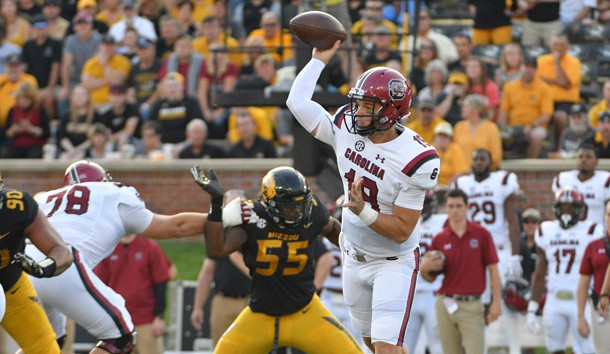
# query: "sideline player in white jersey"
(561, 246)
(594, 185)
(92, 213)
(385, 169)
(423, 313)
(493, 203)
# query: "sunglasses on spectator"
(531, 221)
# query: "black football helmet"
(568, 206)
(430, 203)
(388, 90)
(287, 197)
(515, 294)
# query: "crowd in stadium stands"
(88, 79)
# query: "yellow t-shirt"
(94, 68)
(357, 31)
(595, 110)
(526, 103)
(273, 43)
(453, 162)
(264, 125)
(7, 93)
(24, 30)
(485, 136)
(572, 68)
(425, 132)
(200, 45)
(203, 9)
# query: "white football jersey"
(595, 190)
(427, 230)
(333, 281)
(564, 250)
(94, 216)
(395, 173)
(486, 202)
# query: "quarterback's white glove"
(238, 212)
(513, 269)
(532, 320)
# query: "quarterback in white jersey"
(423, 313)
(561, 246)
(385, 169)
(594, 185)
(92, 213)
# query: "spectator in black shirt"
(542, 22)
(144, 77)
(196, 146)
(531, 219)
(174, 110)
(42, 56)
(601, 140)
(121, 118)
(249, 145)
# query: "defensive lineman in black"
(276, 238)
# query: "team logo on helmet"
(397, 89)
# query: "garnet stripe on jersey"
(557, 184)
(505, 179)
(405, 319)
(114, 313)
(419, 160)
(540, 230)
(340, 116)
(592, 229)
(607, 184)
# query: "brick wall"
(167, 187)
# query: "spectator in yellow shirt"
(453, 162)
(527, 107)
(476, 131)
(602, 105)
(105, 68)
(278, 42)
(9, 82)
(562, 72)
(212, 33)
(425, 121)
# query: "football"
(318, 29)
(437, 254)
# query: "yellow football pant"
(313, 329)
(26, 321)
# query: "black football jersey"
(18, 211)
(281, 261)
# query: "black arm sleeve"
(160, 299)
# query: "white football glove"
(513, 269)
(238, 212)
(532, 320)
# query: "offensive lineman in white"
(492, 202)
(386, 169)
(92, 214)
(423, 313)
(561, 246)
(594, 185)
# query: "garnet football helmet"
(515, 294)
(568, 206)
(430, 203)
(286, 196)
(388, 90)
(85, 171)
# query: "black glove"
(212, 186)
(43, 269)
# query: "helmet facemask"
(287, 197)
(567, 213)
(379, 121)
(290, 211)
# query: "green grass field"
(187, 255)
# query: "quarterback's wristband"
(48, 267)
(368, 215)
(603, 295)
(533, 306)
